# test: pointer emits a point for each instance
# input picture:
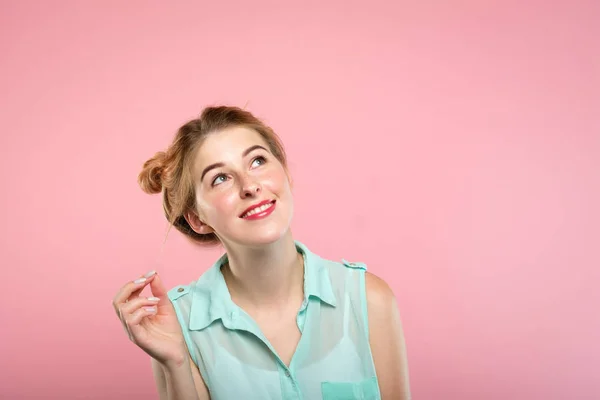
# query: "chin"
(265, 233)
(264, 240)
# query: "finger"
(133, 305)
(134, 319)
(131, 287)
(158, 288)
(126, 292)
(135, 301)
(149, 277)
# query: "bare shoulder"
(382, 309)
(380, 296)
(386, 337)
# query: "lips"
(257, 210)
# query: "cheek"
(276, 181)
(220, 203)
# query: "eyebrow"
(220, 164)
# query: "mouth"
(259, 210)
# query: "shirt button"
(287, 373)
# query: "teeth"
(257, 210)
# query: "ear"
(197, 224)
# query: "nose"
(250, 188)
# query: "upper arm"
(386, 338)
(161, 381)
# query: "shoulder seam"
(178, 291)
(354, 265)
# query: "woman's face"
(243, 192)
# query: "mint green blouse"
(333, 359)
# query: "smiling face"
(243, 192)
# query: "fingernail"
(150, 309)
(149, 274)
(140, 280)
(153, 298)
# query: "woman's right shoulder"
(180, 291)
(201, 285)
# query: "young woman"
(270, 319)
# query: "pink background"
(453, 147)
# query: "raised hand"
(151, 322)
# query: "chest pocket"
(367, 389)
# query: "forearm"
(179, 382)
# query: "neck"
(267, 277)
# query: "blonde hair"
(171, 171)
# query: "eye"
(219, 179)
(258, 161)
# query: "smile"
(260, 211)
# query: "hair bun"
(150, 179)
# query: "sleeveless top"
(333, 358)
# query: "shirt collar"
(211, 299)
(317, 281)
